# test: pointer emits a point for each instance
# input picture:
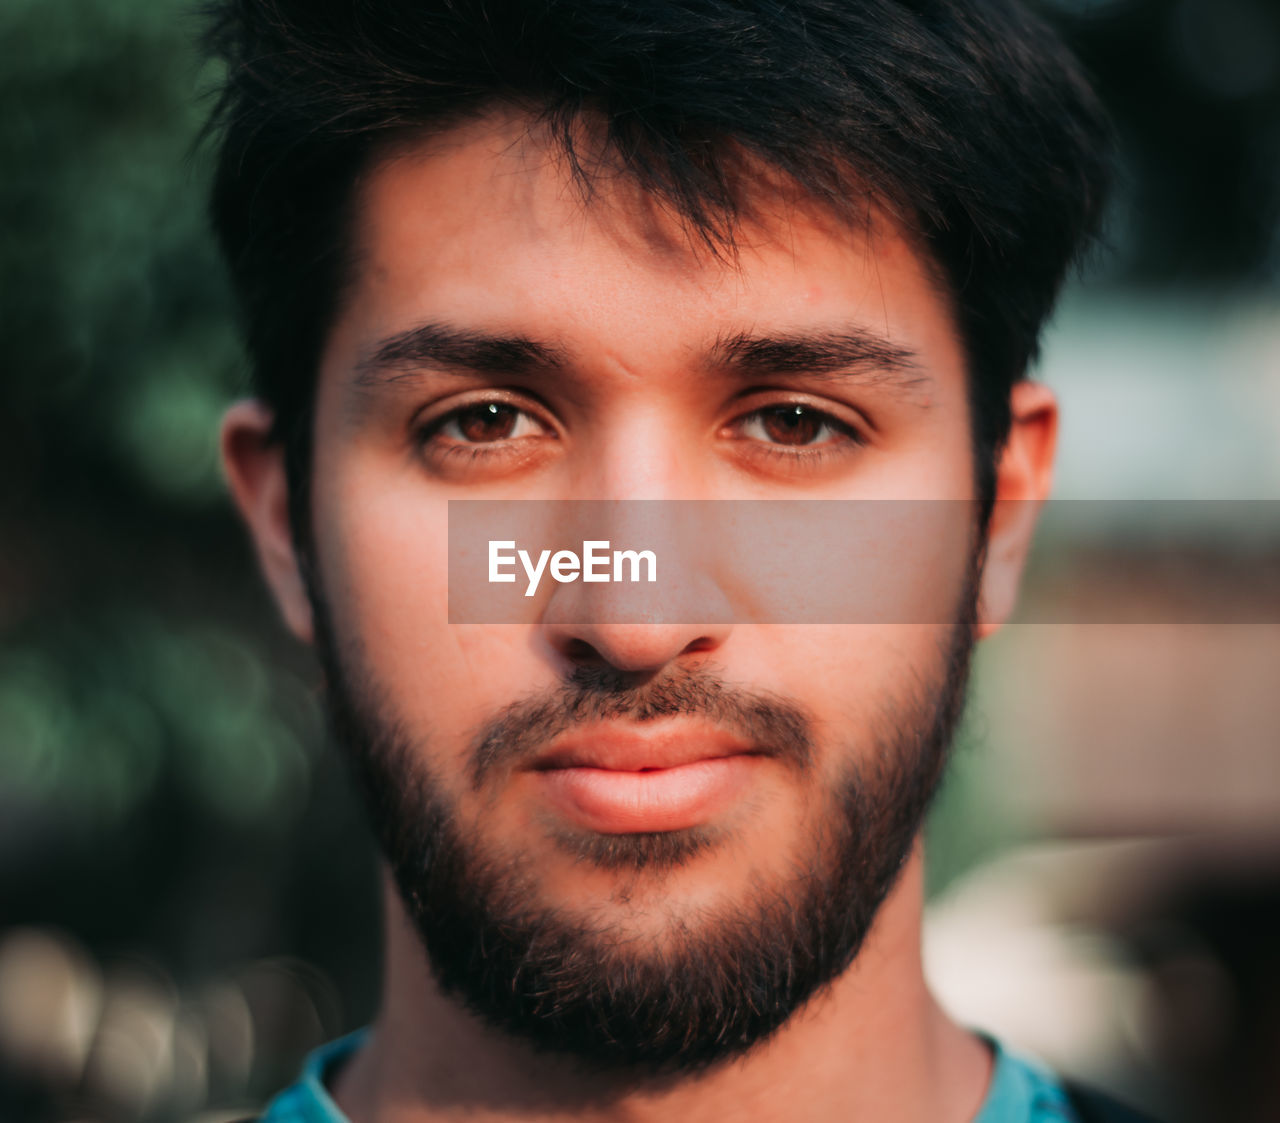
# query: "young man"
(657, 862)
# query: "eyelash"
(807, 456)
(844, 437)
(468, 452)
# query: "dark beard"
(715, 988)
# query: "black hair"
(966, 119)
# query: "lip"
(662, 777)
(633, 748)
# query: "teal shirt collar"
(1021, 1091)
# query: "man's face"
(577, 350)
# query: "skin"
(482, 230)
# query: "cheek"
(852, 678)
(888, 561)
(383, 551)
(931, 457)
(384, 546)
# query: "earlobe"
(254, 468)
(1024, 475)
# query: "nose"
(643, 649)
(650, 498)
(641, 627)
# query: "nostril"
(702, 643)
(580, 651)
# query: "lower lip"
(663, 799)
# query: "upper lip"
(638, 748)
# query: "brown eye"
(482, 423)
(483, 438)
(488, 421)
(793, 425)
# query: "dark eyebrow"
(435, 345)
(836, 354)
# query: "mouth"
(663, 777)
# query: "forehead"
(485, 227)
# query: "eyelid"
(429, 419)
(842, 416)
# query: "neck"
(874, 1045)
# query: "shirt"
(1022, 1090)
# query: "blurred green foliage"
(162, 789)
(116, 318)
(122, 355)
(89, 734)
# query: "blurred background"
(175, 837)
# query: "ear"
(254, 467)
(1024, 475)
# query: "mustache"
(769, 722)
